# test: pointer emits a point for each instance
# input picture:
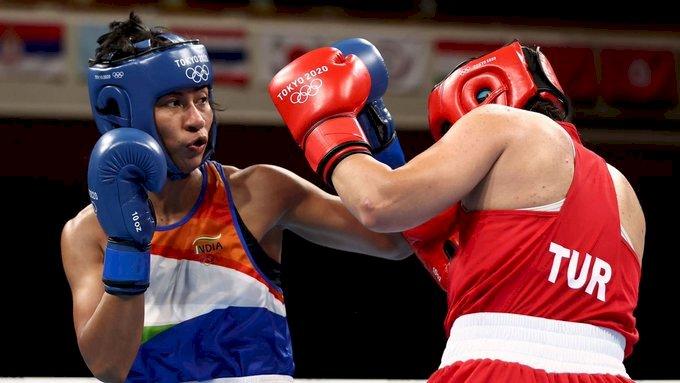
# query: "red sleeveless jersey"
(572, 265)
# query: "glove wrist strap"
(331, 141)
(126, 269)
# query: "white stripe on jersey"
(182, 289)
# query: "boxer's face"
(183, 119)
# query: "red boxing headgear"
(513, 75)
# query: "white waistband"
(547, 344)
(255, 379)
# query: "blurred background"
(350, 316)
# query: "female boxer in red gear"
(206, 305)
(544, 282)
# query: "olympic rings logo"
(306, 91)
(198, 73)
(118, 74)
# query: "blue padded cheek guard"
(123, 93)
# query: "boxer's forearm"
(381, 199)
(110, 339)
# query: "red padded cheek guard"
(446, 105)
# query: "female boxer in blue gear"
(188, 292)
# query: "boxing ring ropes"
(88, 380)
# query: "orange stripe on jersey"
(210, 236)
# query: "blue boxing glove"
(378, 126)
(124, 164)
(374, 118)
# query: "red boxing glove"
(318, 96)
(434, 243)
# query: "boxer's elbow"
(107, 367)
(369, 214)
(378, 211)
(399, 249)
(109, 372)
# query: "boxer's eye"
(171, 103)
(482, 95)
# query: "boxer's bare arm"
(108, 328)
(630, 211)
(271, 199)
(390, 201)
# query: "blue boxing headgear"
(123, 92)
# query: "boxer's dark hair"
(119, 42)
(547, 108)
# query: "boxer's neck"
(176, 198)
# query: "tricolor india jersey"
(210, 310)
(572, 265)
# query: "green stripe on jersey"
(150, 331)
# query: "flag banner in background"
(227, 49)
(87, 45)
(448, 54)
(644, 78)
(280, 50)
(31, 52)
(407, 63)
